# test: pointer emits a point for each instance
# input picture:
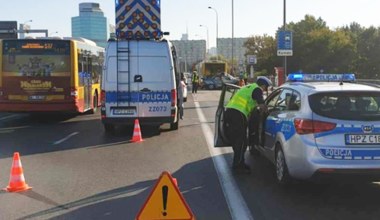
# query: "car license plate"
(362, 139)
(124, 111)
(36, 97)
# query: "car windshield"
(356, 106)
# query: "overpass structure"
(12, 31)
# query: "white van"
(140, 81)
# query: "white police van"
(140, 81)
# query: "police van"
(140, 79)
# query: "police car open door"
(220, 137)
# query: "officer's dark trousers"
(253, 125)
(236, 129)
(195, 87)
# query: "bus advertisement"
(50, 75)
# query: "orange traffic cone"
(17, 180)
(137, 132)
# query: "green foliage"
(318, 48)
(263, 47)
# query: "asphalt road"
(78, 172)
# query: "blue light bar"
(321, 77)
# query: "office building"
(90, 24)
(225, 48)
(190, 52)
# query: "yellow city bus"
(50, 75)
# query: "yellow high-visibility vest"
(195, 78)
(242, 100)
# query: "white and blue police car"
(317, 125)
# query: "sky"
(251, 17)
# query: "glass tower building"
(90, 24)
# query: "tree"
(368, 63)
(264, 47)
(303, 43)
(316, 47)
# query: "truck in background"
(141, 75)
(212, 68)
(214, 74)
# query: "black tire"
(211, 87)
(282, 174)
(174, 125)
(109, 128)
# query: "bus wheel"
(94, 105)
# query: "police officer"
(236, 116)
(195, 82)
(245, 78)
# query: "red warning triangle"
(165, 202)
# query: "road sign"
(138, 19)
(165, 202)
(251, 59)
(285, 43)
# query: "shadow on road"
(40, 133)
(126, 202)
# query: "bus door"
(87, 90)
(86, 79)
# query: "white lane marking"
(236, 204)
(8, 117)
(65, 138)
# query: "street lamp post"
(207, 46)
(216, 12)
(22, 28)
(232, 40)
(284, 28)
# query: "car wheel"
(282, 174)
(211, 87)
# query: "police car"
(316, 125)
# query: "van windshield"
(356, 106)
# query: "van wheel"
(282, 174)
(174, 126)
(109, 128)
(94, 105)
